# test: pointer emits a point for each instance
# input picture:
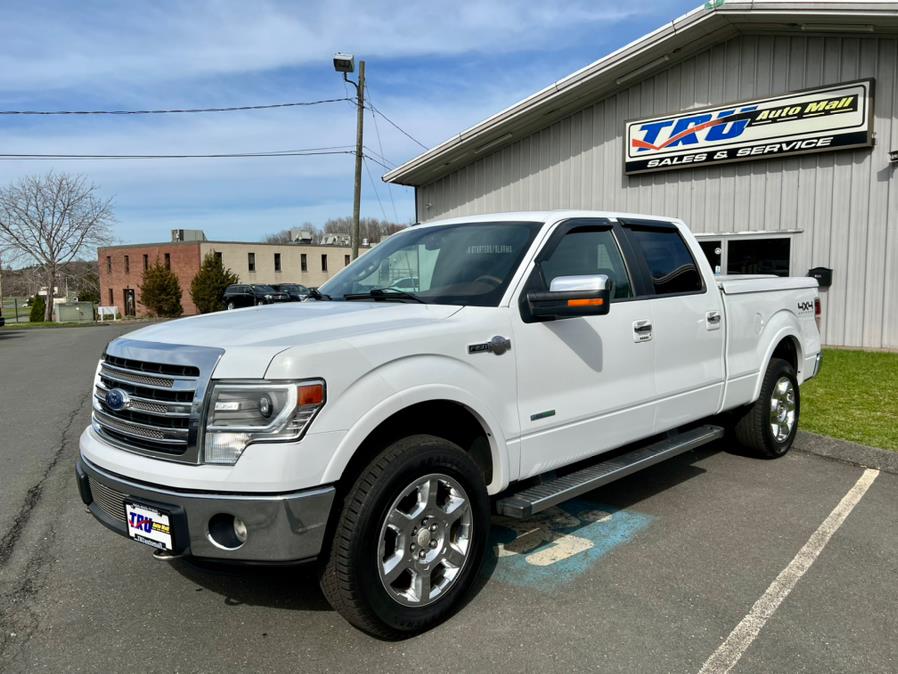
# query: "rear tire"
(409, 540)
(768, 426)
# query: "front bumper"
(280, 527)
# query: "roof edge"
(715, 20)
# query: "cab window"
(589, 251)
(672, 268)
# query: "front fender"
(400, 385)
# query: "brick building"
(122, 267)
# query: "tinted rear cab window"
(672, 268)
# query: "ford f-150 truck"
(375, 429)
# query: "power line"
(374, 187)
(396, 126)
(311, 152)
(380, 145)
(269, 106)
(386, 161)
(378, 162)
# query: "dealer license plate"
(149, 525)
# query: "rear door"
(686, 323)
(585, 384)
(245, 298)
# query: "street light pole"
(345, 63)
(359, 125)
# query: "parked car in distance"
(295, 291)
(241, 295)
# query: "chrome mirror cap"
(587, 283)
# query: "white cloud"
(436, 68)
(61, 47)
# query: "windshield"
(469, 263)
(264, 289)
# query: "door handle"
(642, 331)
(712, 320)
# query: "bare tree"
(371, 229)
(286, 235)
(50, 219)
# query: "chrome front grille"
(164, 397)
(108, 500)
(122, 375)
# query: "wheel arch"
(786, 344)
(446, 413)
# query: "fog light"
(240, 530)
(227, 532)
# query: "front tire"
(768, 426)
(409, 540)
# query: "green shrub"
(208, 286)
(160, 292)
(38, 308)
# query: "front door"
(128, 301)
(585, 384)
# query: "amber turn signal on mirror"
(591, 302)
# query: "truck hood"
(281, 326)
(251, 337)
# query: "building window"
(108, 264)
(303, 262)
(146, 261)
(324, 262)
(346, 260)
(277, 261)
(251, 261)
(758, 256)
(111, 298)
(713, 250)
(127, 264)
(168, 260)
(749, 255)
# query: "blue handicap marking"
(554, 547)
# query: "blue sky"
(435, 68)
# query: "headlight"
(240, 414)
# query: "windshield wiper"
(384, 295)
(315, 295)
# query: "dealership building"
(121, 267)
(769, 127)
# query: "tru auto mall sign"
(816, 120)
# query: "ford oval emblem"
(117, 399)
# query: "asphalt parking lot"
(650, 574)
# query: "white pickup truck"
(533, 357)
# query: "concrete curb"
(849, 452)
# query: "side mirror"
(571, 296)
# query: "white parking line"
(729, 652)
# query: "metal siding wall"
(845, 202)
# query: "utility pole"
(359, 126)
(345, 63)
